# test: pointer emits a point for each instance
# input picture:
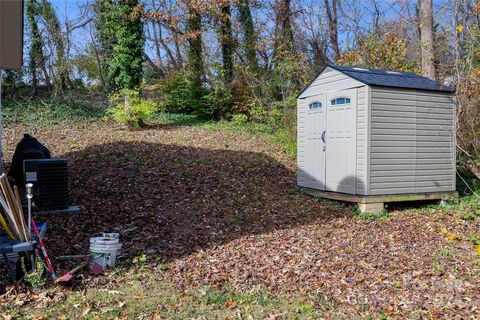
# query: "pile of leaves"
(219, 207)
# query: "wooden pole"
(11, 204)
(21, 217)
(9, 213)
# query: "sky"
(72, 9)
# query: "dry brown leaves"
(220, 207)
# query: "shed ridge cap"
(373, 70)
(394, 79)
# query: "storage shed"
(372, 136)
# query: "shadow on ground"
(173, 200)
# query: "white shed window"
(315, 105)
(339, 101)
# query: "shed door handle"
(323, 136)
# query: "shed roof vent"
(361, 69)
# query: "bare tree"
(313, 35)
(283, 28)
(331, 8)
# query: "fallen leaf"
(442, 230)
(452, 236)
(230, 304)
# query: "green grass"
(382, 215)
(177, 119)
(287, 140)
(40, 111)
(252, 127)
(279, 136)
(144, 293)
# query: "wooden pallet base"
(375, 203)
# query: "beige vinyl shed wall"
(412, 141)
(405, 139)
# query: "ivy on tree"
(120, 32)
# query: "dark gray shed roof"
(384, 78)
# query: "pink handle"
(44, 251)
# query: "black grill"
(50, 182)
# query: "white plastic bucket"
(103, 253)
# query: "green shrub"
(468, 207)
(275, 117)
(239, 118)
(180, 95)
(36, 278)
(129, 108)
(217, 104)
(176, 95)
(258, 112)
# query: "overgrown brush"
(70, 107)
(131, 109)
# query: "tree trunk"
(333, 26)
(166, 48)
(36, 55)
(195, 51)
(319, 50)
(176, 43)
(105, 40)
(426, 38)
(249, 35)
(121, 33)
(284, 32)
(226, 41)
(473, 168)
(34, 37)
(98, 59)
(156, 68)
(53, 27)
(287, 29)
(154, 38)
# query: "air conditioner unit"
(50, 182)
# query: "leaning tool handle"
(29, 187)
(44, 251)
(6, 228)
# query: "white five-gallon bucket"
(103, 253)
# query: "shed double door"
(330, 151)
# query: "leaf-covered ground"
(219, 208)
